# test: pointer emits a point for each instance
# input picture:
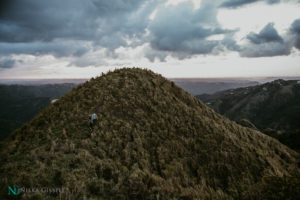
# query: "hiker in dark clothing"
(92, 121)
(94, 118)
(90, 124)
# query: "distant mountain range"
(210, 86)
(195, 86)
(37, 82)
(272, 107)
(153, 140)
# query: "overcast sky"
(177, 38)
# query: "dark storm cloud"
(35, 20)
(56, 48)
(36, 25)
(295, 30)
(59, 27)
(239, 3)
(152, 54)
(267, 34)
(230, 43)
(122, 27)
(266, 50)
(7, 63)
(73, 28)
(266, 43)
(183, 31)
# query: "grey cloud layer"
(239, 3)
(266, 43)
(58, 48)
(72, 19)
(35, 27)
(183, 31)
(32, 20)
(295, 29)
(267, 34)
(266, 50)
(73, 28)
(7, 63)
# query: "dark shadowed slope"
(19, 103)
(275, 104)
(272, 107)
(153, 141)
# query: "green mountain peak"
(153, 140)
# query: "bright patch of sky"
(254, 17)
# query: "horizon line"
(223, 77)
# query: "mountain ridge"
(246, 102)
(153, 140)
(274, 108)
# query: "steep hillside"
(19, 103)
(153, 140)
(273, 107)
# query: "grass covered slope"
(153, 140)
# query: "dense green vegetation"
(153, 140)
(19, 104)
(273, 108)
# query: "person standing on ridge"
(92, 121)
(90, 124)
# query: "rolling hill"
(273, 108)
(153, 140)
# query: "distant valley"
(20, 103)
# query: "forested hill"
(153, 140)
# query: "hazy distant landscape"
(195, 86)
(40, 81)
(210, 86)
